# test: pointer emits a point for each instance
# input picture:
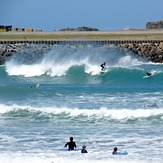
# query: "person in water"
(71, 144)
(148, 74)
(115, 151)
(103, 65)
(84, 149)
(154, 105)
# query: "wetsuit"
(103, 66)
(148, 73)
(71, 145)
(84, 151)
(114, 153)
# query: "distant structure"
(18, 29)
(5, 28)
(9, 28)
(80, 29)
(155, 25)
(30, 30)
(38, 30)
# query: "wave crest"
(102, 114)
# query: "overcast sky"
(50, 15)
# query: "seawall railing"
(83, 42)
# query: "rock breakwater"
(150, 51)
(7, 50)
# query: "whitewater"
(117, 108)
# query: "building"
(18, 29)
(30, 30)
(5, 28)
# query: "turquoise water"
(118, 108)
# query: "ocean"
(117, 108)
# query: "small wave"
(100, 114)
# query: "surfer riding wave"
(103, 65)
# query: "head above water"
(115, 148)
(71, 138)
(84, 147)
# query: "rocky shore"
(150, 51)
(7, 50)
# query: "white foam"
(93, 69)
(48, 65)
(25, 70)
(118, 114)
(69, 158)
(128, 61)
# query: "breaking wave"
(81, 64)
(80, 115)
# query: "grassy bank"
(118, 35)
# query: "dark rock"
(23, 51)
(152, 52)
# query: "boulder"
(153, 52)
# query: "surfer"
(84, 149)
(71, 144)
(148, 74)
(103, 65)
(115, 151)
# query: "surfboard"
(123, 153)
(37, 85)
(148, 76)
(103, 71)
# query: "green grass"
(78, 36)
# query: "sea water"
(118, 108)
